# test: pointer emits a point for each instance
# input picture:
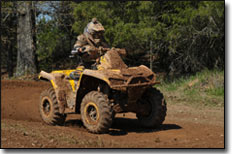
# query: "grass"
(206, 88)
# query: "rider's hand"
(74, 51)
(79, 52)
(100, 48)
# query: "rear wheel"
(158, 109)
(49, 108)
(96, 112)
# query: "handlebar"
(101, 50)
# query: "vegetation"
(26, 60)
(206, 88)
(187, 36)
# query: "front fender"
(48, 77)
(96, 74)
(62, 87)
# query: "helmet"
(94, 27)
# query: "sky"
(44, 7)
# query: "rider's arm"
(104, 44)
(78, 50)
(80, 44)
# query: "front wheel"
(96, 112)
(49, 108)
(156, 115)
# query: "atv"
(98, 94)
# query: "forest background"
(187, 36)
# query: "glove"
(81, 51)
(102, 50)
(74, 51)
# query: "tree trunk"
(10, 60)
(25, 42)
(34, 33)
(12, 43)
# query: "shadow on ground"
(123, 126)
(74, 123)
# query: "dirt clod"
(25, 133)
(157, 140)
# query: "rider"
(89, 45)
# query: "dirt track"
(184, 127)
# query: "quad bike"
(100, 94)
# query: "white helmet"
(94, 27)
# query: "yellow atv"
(99, 94)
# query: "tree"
(8, 36)
(186, 35)
(26, 60)
(55, 37)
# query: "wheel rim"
(91, 113)
(46, 106)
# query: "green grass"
(206, 88)
(216, 92)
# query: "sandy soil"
(184, 127)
